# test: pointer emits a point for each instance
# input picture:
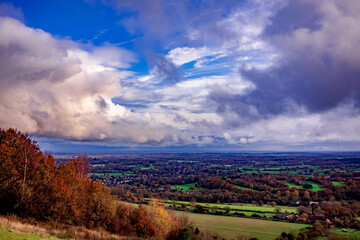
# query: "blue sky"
(113, 76)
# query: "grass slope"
(11, 234)
(12, 228)
(232, 227)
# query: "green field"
(147, 168)
(97, 165)
(316, 186)
(350, 232)
(241, 206)
(11, 234)
(338, 183)
(232, 227)
(185, 187)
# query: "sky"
(112, 76)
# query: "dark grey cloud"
(164, 70)
(296, 14)
(236, 111)
(318, 66)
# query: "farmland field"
(232, 227)
(316, 186)
(242, 206)
(185, 187)
(338, 183)
(350, 233)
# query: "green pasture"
(241, 206)
(316, 186)
(350, 232)
(338, 183)
(185, 187)
(97, 165)
(232, 227)
(147, 168)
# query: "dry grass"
(16, 224)
(13, 223)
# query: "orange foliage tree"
(32, 186)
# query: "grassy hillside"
(11, 228)
(11, 234)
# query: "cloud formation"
(245, 73)
(319, 66)
(50, 87)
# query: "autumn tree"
(295, 195)
(160, 219)
(20, 162)
(141, 221)
(192, 188)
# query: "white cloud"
(53, 88)
(182, 55)
(113, 57)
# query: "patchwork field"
(232, 227)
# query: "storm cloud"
(319, 63)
